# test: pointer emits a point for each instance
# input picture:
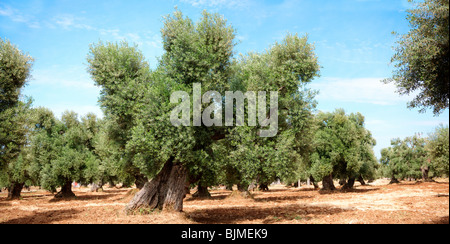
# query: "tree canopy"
(422, 56)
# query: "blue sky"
(353, 41)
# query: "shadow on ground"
(264, 215)
(46, 217)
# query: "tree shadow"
(266, 215)
(86, 197)
(441, 220)
(46, 217)
(275, 190)
(307, 189)
(4, 204)
(281, 198)
(214, 196)
(343, 191)
(37, 196)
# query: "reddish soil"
(376, 203)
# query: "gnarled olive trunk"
(14, 190)
(425, 171)
(361, 180)
(66, 191)
(394, 180)
(313, 181)
(202, 192)
(263, 187)
(327, 183)
(349, 184)
(165, 192)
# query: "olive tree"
(343, 149)
(422, 56)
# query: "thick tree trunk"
(165, 192)
(14, 190)
(202, 192)
(342, 182)
(361, 180)
(394, 180)
(66, 191)
(349, 184)
(313, 181)
(425, 171)
(263, 187)
(242, 188)
(327, 183)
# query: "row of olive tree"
(138, 101)
(417, 157)
(137, 142)
(37, 149)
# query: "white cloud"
(72, 77)
(68, 22)
(142, 39)
(359, 90)
(15, 16)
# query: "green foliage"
(286, 67)
(422, 56)
(197, 53)
(123, 74)
(202, 53)
(343, 147)
(15, 67)
(64, 151)
(438, 151)
(17, 127)
(404, 159)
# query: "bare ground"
(376, 203)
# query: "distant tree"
(344, 149)
(405, 159)
(112, 168)
(389, 165)
(42, 149)
(62, 151)
(438, 151)
(422, 56)
(96, 171)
